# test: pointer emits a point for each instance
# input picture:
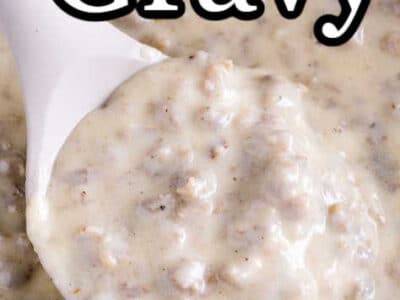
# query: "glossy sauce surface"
(355, 91)
(213, 183)
(351, 112)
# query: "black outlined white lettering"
(330, 30)
(221, 9)
(291, 11)
(333, 30)
(161, 9)
(96, 10)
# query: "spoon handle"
(67, 67)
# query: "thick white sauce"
(210, 184)
(349, 114)
(355, 91)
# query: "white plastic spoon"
(67, 68)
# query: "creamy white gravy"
(355, 91)
(202, 180)
(227, 195)
(350, 115)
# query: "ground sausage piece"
(390, 43)
(189, 277)
(17, 260)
